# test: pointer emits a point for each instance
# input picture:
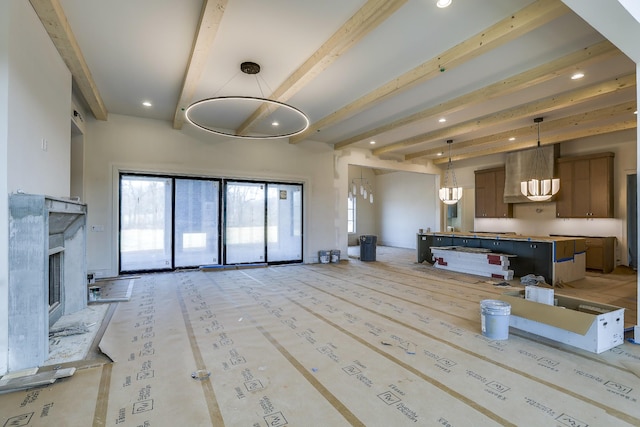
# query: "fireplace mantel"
(40, 226)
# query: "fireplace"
(47, 272)
(56, 283)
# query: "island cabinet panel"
(466, 242)
(558, 259)
(586, 186)
(533, 258)
(497, 245)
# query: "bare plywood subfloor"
(375, 344)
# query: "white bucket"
(324, 257)
(494, 315)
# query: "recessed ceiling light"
(275, 124)
(372, 142)
(443, 3)
(577, 76)
(442, 120)
(146, 104)
(635, 112)
(440, 153)
(513, 138)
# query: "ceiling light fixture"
(577, 75)
(450, 195)
(372, 142)
(146, 104)
(366, 190)
(442, 120)
(224, 115)
(443, 3)
(541, 185)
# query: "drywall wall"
(130, 144)
(39, 133)
(4, 201)
(408, 202)
(349, 160)
(35, 97)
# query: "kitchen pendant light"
(450, 195)
(366, 190)
(541, 185)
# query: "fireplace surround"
(47, 272)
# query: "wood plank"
(537, 75)
(537, 107)
(622, 124)
(365, 20)
(210, 18)
(55, 23)
(527, 19)
(526, 135)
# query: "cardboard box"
(584, 324)
(538, 294)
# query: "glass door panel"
(196, 222)
(284, 222)
(244, 222)
(145, 223)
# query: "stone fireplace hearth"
(47, 272)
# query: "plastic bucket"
(335, 255)
(494, 315)
(324, 257)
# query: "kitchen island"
(558, 259)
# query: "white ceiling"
(140, 50)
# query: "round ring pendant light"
(225, 115)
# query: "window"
(351, 214)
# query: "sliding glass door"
(196, 222)
(284, 222)
(174, 222)
(145, 223)
(244, 223)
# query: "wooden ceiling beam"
(527, 19)
(538, 107)
(622, 113)
(532, 77)
(366, 19)
(584, 133)
(55, 23)
(210, 18)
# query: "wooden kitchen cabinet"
(601, 253)
(586, 186)
(489, 186)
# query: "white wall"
(39, 100)
(347, 159)
(408, 202)
(4, 207)
(35, 97)
(132, 144)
